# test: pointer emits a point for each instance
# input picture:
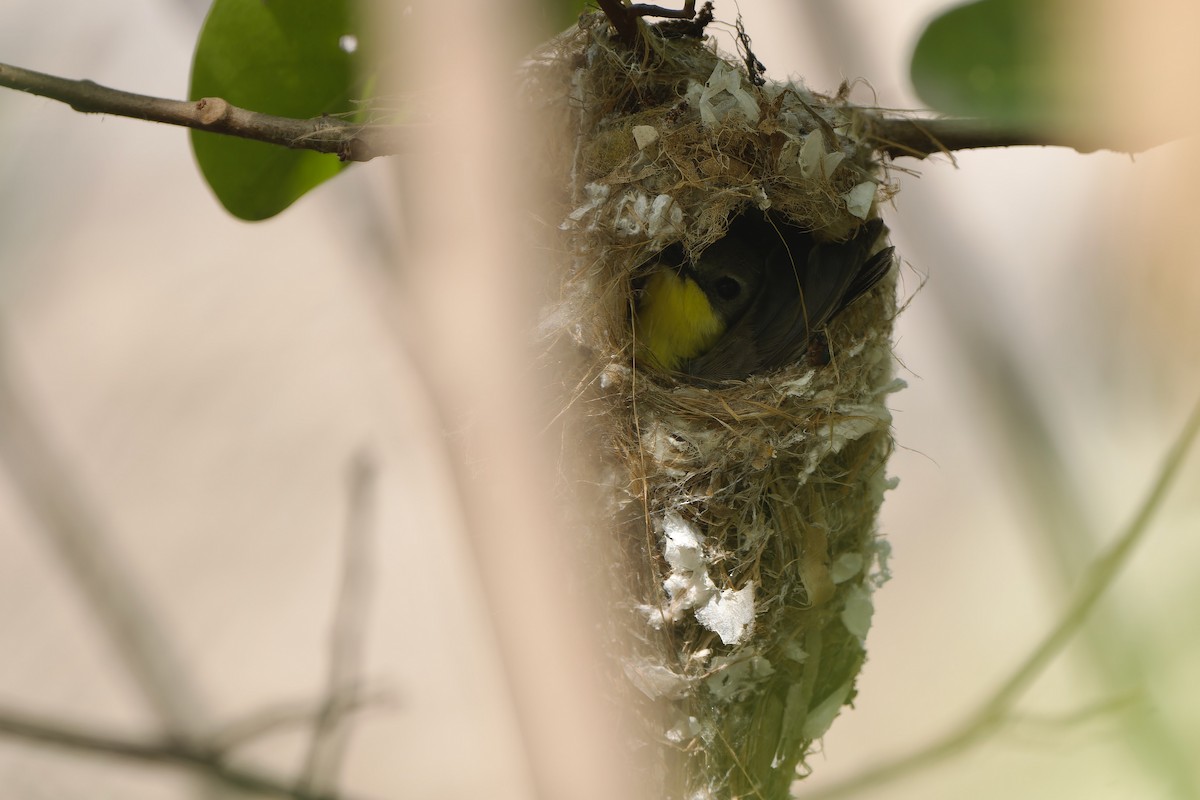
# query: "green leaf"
(997, 59)
(293, 58)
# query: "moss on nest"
(740, 521)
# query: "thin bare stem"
(996, 710)
(277, 718)
(202, 761)
(895, 136)
(623, 20)
(624, 17)
(90, 554)
(912, 137)
(347, 638)
(646, 10)
(350, 141)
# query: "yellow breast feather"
(675, 321)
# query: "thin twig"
(350, 141)
(328, 743)
(1099, 575)
(894, 135)
(623, 20)
(90, 554)
(202, 761)
(911, 137)
(646, 10)
(996, 709)
(273, 719)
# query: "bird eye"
(727, 288)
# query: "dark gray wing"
(835, 274)
(806, 284)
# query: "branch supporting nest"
(349, 141)
(900, 137)
(646, 10)
(624, 18)
(895, 136)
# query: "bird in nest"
(753, 301)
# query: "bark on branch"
(897, 136)
(350, 141)
(210, 762)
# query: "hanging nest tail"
(739, 518)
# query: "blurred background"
(210, 382)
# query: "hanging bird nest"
(738, 518)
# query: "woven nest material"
(739, 521)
